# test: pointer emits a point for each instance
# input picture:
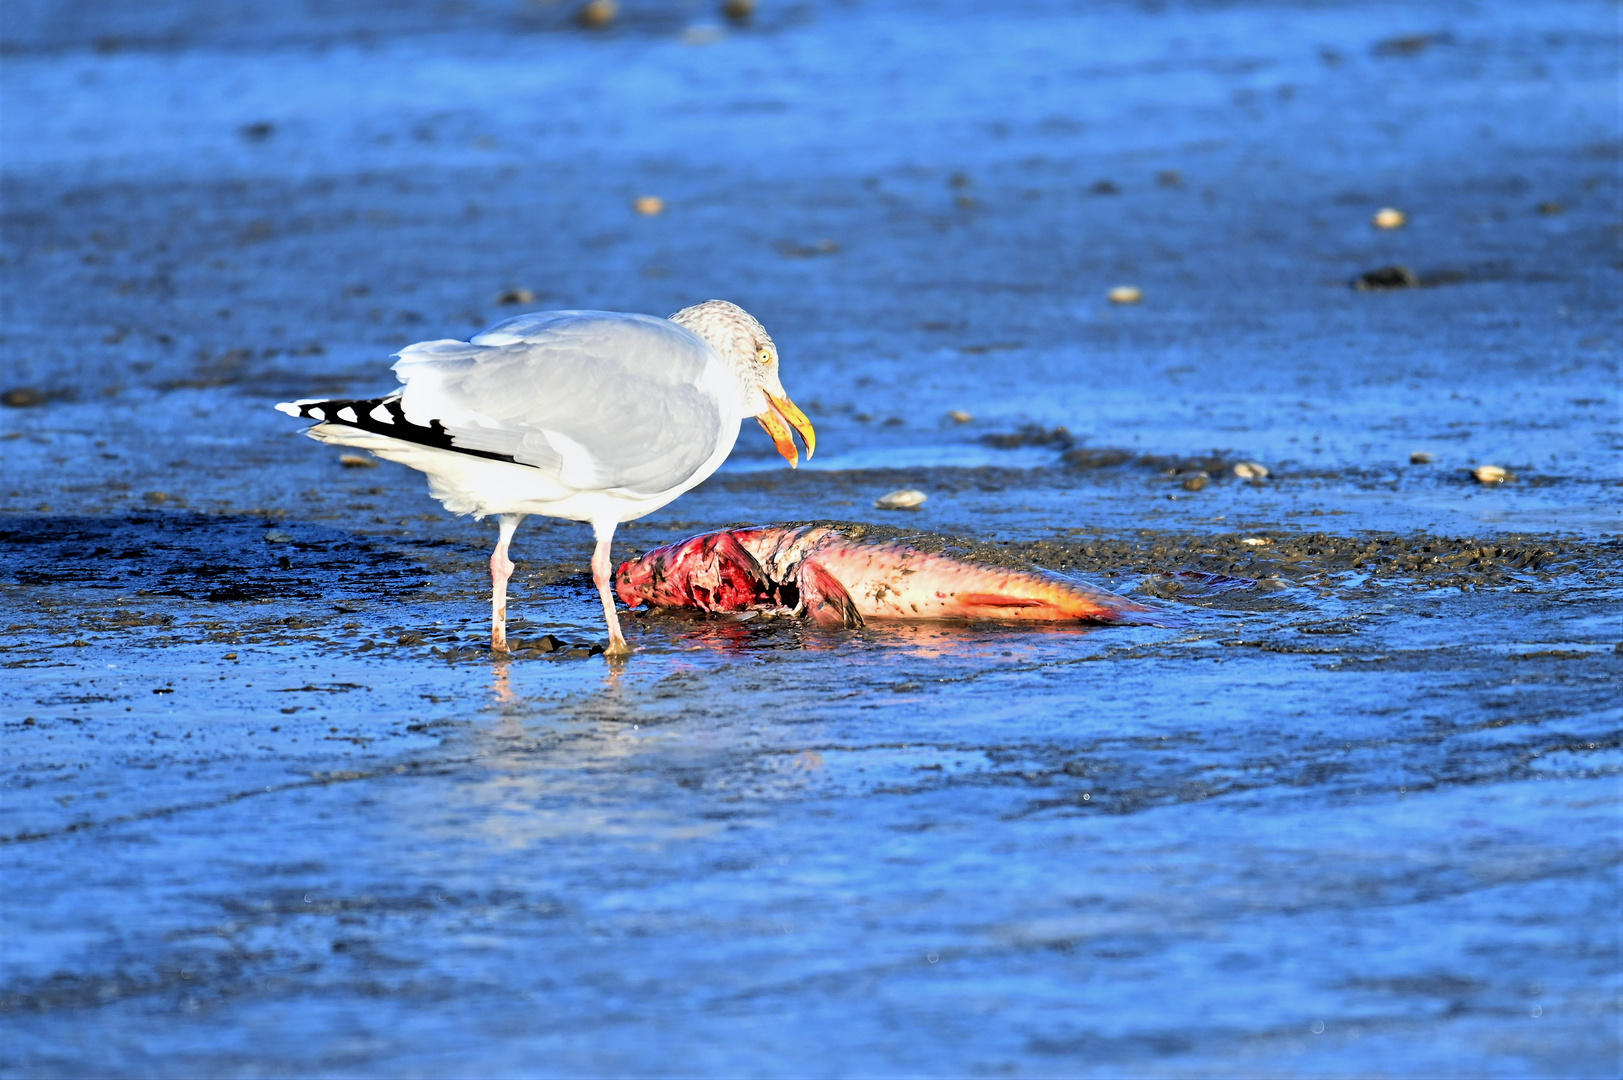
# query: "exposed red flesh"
(836, 580)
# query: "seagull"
(593, 416)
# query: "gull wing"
(598, 400)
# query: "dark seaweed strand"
(434, 434)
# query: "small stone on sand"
(1197, 482)
(597, 14)
(157, 498)
(702, 34)
(1492, 474)
(22, 397)
(357, 461)
(1125, 294)
(959, 416)
(738, 10)
(1550, 209)
(1385, 277)
(649, 205)
(1421, 457)
(1388, 218)
(278, 536)
(1251, 470)
(516, 296)
(1256, 541)
(905, 499)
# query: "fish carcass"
(838, 577)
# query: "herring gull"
(594, 416)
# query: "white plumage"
(591, 416)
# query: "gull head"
(744, 343)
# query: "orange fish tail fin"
(1098, 605)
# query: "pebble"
(1197, 482)
(1125, 294)
(1388, 218)
(959, 416)
(357, 461)
(1421, 457)
(702, 34)
(795, 250)
(22, 397)
(1550, 209)
(738, 10)
(1256, 541)
(157, 498)
(1251, 470)
(597, 14)
(278, 536)
(905, 499)
(649, 205)
(1492, 474)
(516, 296)
(1385, 277)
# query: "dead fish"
(836, 579)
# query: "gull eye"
(764, 356)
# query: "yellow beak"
(773, 420)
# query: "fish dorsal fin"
(981, 599)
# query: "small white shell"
(905, 499)
(959, 416)
(1125, 294)
(1491, 474)
(1388, 218)
(1256, 541)
(278, 536)
(1251, 470)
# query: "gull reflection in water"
(557, 767)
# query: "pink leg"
(501, 568)
(603, 576)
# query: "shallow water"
(271, 808)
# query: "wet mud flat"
(341, 815)
(271, 807)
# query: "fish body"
(838, 578)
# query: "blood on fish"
(837, 579)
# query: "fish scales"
(838, 579)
